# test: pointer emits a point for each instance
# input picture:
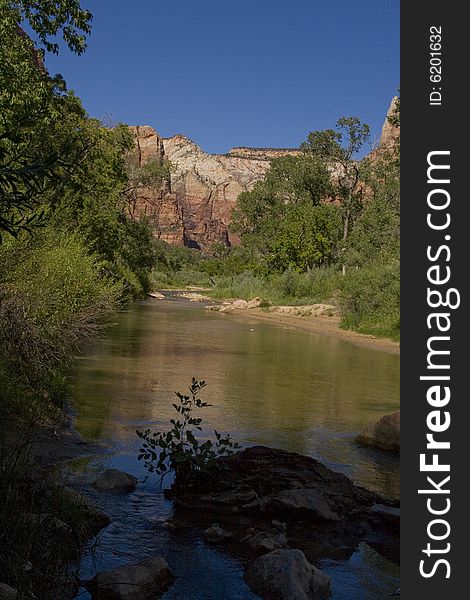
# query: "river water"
(266, 385)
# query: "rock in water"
(216, 535)
(383, 434)
(132, 582)
(287, 575)
(115, 481)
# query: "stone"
(254, 303)
(302, 500)
(91, 517)
(383, 434)
(390, 134)
(193, 207)
(140, 581)
(266, 541)
(216, 535)
(240, 304)
(287, 575)
(7, 592)
(115, 481)
(156, 295)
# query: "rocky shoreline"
(279, 513)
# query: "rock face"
(263, 153)
(287, 575)
(383, 434)
(194, 206)
(390, 133)
(143, 580)
(206, 187)
(115, 481)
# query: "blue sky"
(237, 72)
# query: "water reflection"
(266, 384)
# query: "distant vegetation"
(321, 226)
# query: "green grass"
(368, 298)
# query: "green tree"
(282, 218)
(49, 18)
(41, 141)
(337, 148)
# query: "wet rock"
(216, 535)
(115, 481)
(156, 295)
(383, 434)
(287, 575)
(7, 592)
(276, 498)
(92, 518)
(132, 582)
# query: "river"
(266, 385)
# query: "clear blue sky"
(237, 72)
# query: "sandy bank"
(321, 325)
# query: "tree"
(282, 218)
(48, 18)
(41, 139)
(337, 148)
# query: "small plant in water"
(178, 450)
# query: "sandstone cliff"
(194, 206)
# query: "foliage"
(283, 221)
(48, 18)
(370, 299)
(178, 451)
(54, 296)
(41, 141)
(337, 149)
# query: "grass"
(368, 298)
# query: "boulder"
(287, 575)
(301, 500)
(267, 541)
(383, 434)
(255, 303)
(115, 481)
(7, 592)
(216, 535)
(157, 295)
(132, 582)
(240, 304)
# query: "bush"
(370, 299)
(53, 296)
(178, 451)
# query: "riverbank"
(46, 523)
(321, 325)
(322, 321)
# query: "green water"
(267, 385)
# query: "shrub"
(53, 296)
(370, 299)
(178, 451)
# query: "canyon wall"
(193, 205)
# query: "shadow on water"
(267, 385)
